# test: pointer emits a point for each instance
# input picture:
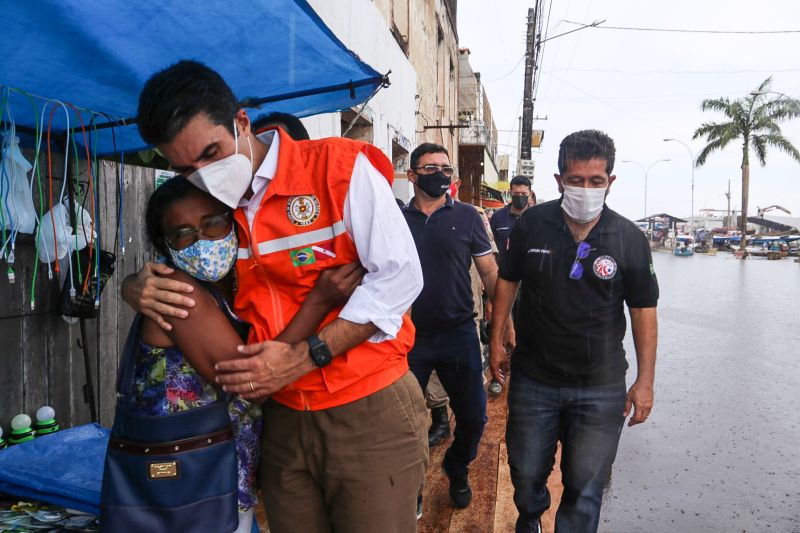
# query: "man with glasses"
(578, 262)
(449, 236)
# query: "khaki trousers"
(356, 468)
(435, 395)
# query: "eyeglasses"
(576, 272)
(212, 228)
(430, 169)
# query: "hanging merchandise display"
(57, 237)
(19, 214)
(80, 295)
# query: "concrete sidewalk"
(492, 509)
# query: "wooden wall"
(40, 358)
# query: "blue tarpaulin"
(97, 55)
(64, 468)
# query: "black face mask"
(519, 202)
(434, 185)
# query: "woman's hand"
(335, 285)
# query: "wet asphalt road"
(721, 450)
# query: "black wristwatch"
(319, 351)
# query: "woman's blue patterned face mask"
(208, 260)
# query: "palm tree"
(753, 120)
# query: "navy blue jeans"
(455, 354)
(588, 422)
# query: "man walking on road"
(578, 262)
(449, 236)
(502, 221)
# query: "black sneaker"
(460, 492)
(419, 506)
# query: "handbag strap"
(127, 363)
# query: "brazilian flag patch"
(303, 257)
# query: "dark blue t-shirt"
(446, 243)
(502, 222)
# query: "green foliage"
(753, 120)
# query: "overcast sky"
(641, 87)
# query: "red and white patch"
(605, 267)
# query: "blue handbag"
(173, 473)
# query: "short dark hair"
(162, 198)
(585, 145)
(520, 180)
(174, 96)
(426, 148)
(290, 123)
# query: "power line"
(690, 72)
(509, 73)
(683, 30)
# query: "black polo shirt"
(446, 243)
(569, 332)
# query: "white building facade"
(388, 121)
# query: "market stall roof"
(662, 216)
(98, 55)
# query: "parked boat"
(684, 246)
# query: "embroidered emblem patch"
(303, 257)
(302, 210)
(605, 267)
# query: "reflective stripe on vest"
(300, 240)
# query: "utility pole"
(527, 94)
(728, 194)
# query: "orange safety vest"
(298, 231)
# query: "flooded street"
(721, 450)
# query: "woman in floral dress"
(175, 369)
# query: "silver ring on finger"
(252, 388)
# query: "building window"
(399, 25)
(361, 129)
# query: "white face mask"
(583, 204)
(226, 179)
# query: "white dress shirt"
(383, 241)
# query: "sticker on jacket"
(303, 257)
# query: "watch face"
(319, 351)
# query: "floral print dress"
(165, 383)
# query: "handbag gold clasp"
(163, 470)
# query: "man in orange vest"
(344, 445)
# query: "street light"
(646, 172)
(692, 156)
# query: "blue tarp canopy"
(97, 55)
(64, 468)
